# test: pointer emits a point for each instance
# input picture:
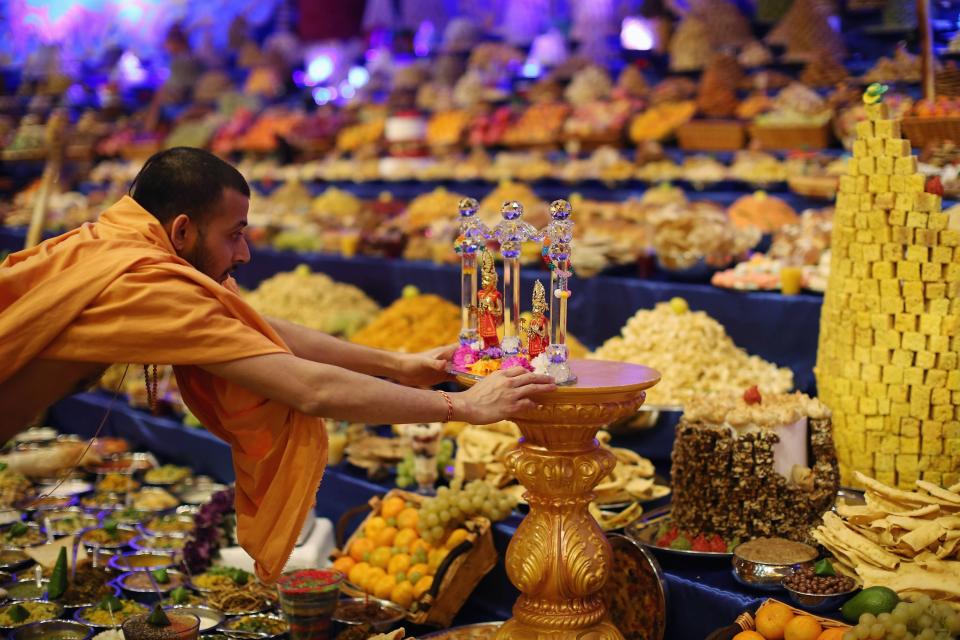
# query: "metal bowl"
(147, 594)
(185, 522)
(82, 520)
(765, 576)
(33, 529)
(47, 503)
(42, 630)
(9, 516)
(14, 559)
(57, 611)
(79, 614)
(71, 487)
(143, 561)
(11, 587)
(396, 613)
(226, 630)
(819, 602)
(126, 463)
(113, 545)
(154, 544)
(201, 612)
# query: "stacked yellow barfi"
(887, 362)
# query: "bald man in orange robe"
(149, 283)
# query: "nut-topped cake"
(754, 465)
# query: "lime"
(874, 600)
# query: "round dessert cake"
(754, 466)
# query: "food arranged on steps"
(693, 354)
(753, 465)
(314, 300)
(905, 540)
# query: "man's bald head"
(185, 180)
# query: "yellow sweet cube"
(912, 289)
(902, 358)
(917, 253)
(928, 202)
(872, 302)
(926, 237)
(884, 164)
(886, 129)
(936, 378)
(950, 238)
(917, 220)
(861, 269)
(914, 342)
(902, 234)
(931, 428)
(925, 359)
(891, 305)
(884, 461)
(904, 200)
(951, 323)
(864, 129)
(940, 396)
(871, 252)
(859, 150)
(847, 202)
(897, 218)
(878, 183)
(899, 409)
(905, 322)
(889, 286)
(937, 220)
(885, 200)
(877, 219)
(892, 374)
(933, 476)
(898, 187)
(930, 325)
(866, 165)
(913, 376)
(942, 412)
(904, 166)
(941, 254)
(908, 445)
(946, 361)
(868, 407)
(897, 148)
(848, 184)
(953, 380)
(931, 271)
(953, 272)
(936, 291)
(876, 146)
(908, 270)
(878, 111)
(932, 446)
(913, 305)
(916, 182)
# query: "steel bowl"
(11, 586)
(147, 594)
(226, 629)
(41, 630)
(141, 561)
(57, 609)
(396, 614)
(820, 602)
(765, 576)
(202, 612)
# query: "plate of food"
(266, 626)
(111, 612)
(22, 534)
(17, 614)
(68, 521)
(655, 530)
(636, 592)
(167, 475)
(169, 524)
(234, 591)
(117, 482)
(154, 499)
(124, 463)
(109, 536)
(14, 559)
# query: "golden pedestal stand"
(559, 558)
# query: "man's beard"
(199, 257)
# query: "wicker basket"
(789, 138)
(746, 622)
(712, 135)
(456, 577)
(928, 131)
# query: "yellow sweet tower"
(887, 361)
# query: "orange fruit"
(359, 573)
(748, 635)
(343, 564)
(384, 537)
(436, 557)
(398, 563)
(408, 518)
(383, 587)
(392, 506)
(772, 619)
(373, 526)
(802, 628)
(423, 585)
(360, 547)
(416, 572)
(370, 580)
(402, 594)
(406, 537)
(833, 634)
(456, 537)
(420, 543)
(380, 557)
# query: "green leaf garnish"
(18, 529)
(161, 576)
(110, 603)
(3, 466)
(17, 613)
(180, 595)
(824, 568)
(158, 618)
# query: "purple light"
(422, 38)
(322, 95)
(358, 76)
(636, 35)
(347, 91)
(319, 69)
(531, 70)
(131, 71)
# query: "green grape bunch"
(454, 505)
(925, 619)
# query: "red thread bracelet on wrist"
(446, 398)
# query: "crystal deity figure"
(473, 238)
(557, 237)
(489, 305)
(537, 330)
(512, 232)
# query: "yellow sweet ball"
(402, 594)
(359, 573)
(380, 557)
(370, 580)
(409, 518)
(384, 587)
(385, 537)
(398, 564)
(406, 538)
(373, 526)
(456, 537)
(423, 585)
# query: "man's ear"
(180, 230)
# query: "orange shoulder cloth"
(115, 291)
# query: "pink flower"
(516, 361)
(464, 356)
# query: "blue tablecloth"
(704, 587)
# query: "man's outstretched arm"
(421, 369)
(334, 392)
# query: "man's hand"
(425, 369)
(501, 395)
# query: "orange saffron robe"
(115, 291)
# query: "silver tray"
(644, 531)
(644, 558)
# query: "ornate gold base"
(515, 630)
